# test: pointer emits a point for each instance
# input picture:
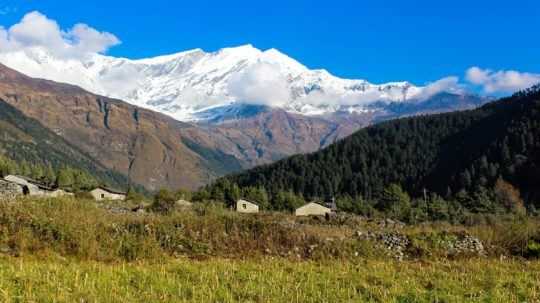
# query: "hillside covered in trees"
(29, 149)
(484, 159)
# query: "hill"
(445, 154)
(120, 137)
(25, 140)
(159, 151)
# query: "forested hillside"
(30, 149)
(452, 155)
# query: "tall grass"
(265, 280)
(72, 250)
(79, 228)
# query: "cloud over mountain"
(501, 81)
(36, 30)
(190, 82)
(262, 84)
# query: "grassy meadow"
(268, 280)
(69, 250)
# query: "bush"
(164, 202)
(395, 202)
(533, 249)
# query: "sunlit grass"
(69, 250)
(266, 280)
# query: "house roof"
(242, 199)
(112, 191)
(31, 181)
(316, 203)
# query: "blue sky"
(418, 41)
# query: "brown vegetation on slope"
(122, 137)
(150, 146)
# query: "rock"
(394, 243)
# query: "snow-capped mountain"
(198, 85)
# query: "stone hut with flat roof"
(102, 193)
(313, 209)
(246, 207)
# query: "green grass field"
(221, 280)
(69, 250)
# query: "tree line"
(472, 160)
(63, 177)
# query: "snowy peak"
(188, 84)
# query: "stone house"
(29, 186)
(183, 204)
(313, 209)
(9, 190)
(103, 193)
(246, 207)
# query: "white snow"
(189, 83)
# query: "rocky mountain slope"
(236, 116)
(121, 137)
(154, 149)
(25, 139)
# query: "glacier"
(196, 85)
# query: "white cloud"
(448, 84)
(262, 83)
(36, 30)
(501, 81)
(265, 84)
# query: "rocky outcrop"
(400, 246)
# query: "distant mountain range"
(194, 116)
(211, 87)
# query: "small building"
(34, 188)
(312, 209)
(246, 207)
(183, 204)
(102, 193)
(9, 190)
(29, 186)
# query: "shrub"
(533, 249)
(395, 202)
(164, 202)
(509, 196)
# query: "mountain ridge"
(183, 84)
(447, 154)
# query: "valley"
(283, 151)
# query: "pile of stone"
(466, 244)
(395, 243)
